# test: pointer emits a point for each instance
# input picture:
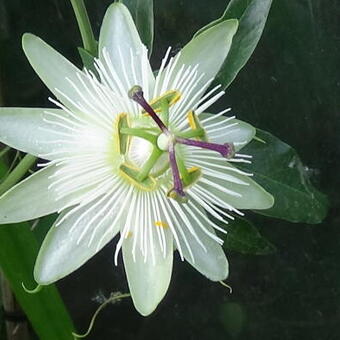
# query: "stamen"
(227, 150)
(136, 94)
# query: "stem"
(84, 25)
(191, 133)
(18, 172)
(165, 111)
(156, 153)
(182, 170)
(112, 299)
(139, 133)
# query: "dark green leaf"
(131, 5)
(278, 168)
(252, 16)
(45, 309)
(142, 13)
(43, 225)
(3, 171)
(243, 237)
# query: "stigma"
(164, 142)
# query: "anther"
(137, 95)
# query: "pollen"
(161, 224)
(193, 169)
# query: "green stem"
(18, 172)
(165, 111)
(139, 133)
(112, 299)
(191, 133)
(183, 170)
(156, 153)
(85, 28)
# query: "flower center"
(158, 142)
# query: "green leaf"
(145, 22)
(142, 13)
(43, 225)
(252, 16)
(45, 309)
(277, 167)
(243, 237)
(3, 171)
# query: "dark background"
(289, 87)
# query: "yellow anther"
(130, 173)
(194, 174)
(177, 197)
(193, 169)
(161, 224)
(129, 234)
(121, 142)
(195, 125)
(171, 97)
(192, 121)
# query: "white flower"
(116, 168)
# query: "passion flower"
(133, 154)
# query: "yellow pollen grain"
(161, 224)
(129, 234)
(193, 169)
(116, 136)
(174, 100)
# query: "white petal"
(128, 56)
(26, 130)
(75, 240)
(207, 50)
(54, 70)
(31, 199)
(229, 130)
(148, 280)
(210, 261)
(250, 195)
